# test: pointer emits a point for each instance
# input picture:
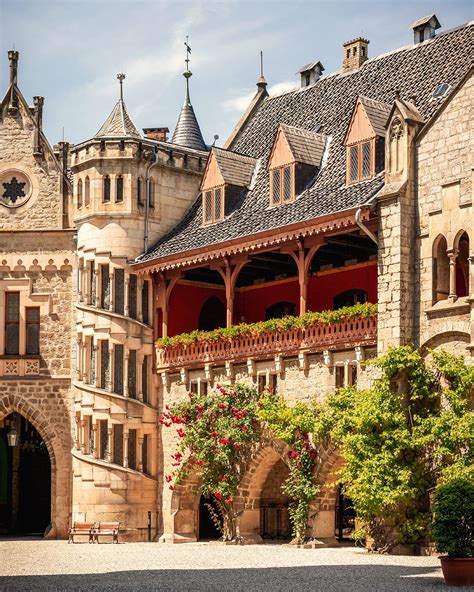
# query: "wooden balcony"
(317, 337)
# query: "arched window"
(462, 266)
(440, 269)
(87, 192)
(119, 189)
(139, 192)
(212, 315)
(106, 189)
(151, 194)
(280, 310)
(349, 298)
(79, 193)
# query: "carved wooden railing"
(317, 337)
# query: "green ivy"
(271, 326)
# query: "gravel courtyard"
(55, 565)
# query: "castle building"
(354, 188)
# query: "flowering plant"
(217, 434)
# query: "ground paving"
(55, 565)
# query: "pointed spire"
(119, 124)
(261, 82)
(187, 131)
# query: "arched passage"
(25, 475)
(212, 315)
(462, 265)
(440, 269)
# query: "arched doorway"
(212, 315)
(208, 512)
(344, 517)
(25, 478)
(274, 518)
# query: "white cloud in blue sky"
(71, 50)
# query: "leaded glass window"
(119, 279)
(145, 454)
(119, 188)
(106, 189)
(12, 323)
(32, 330)
(132, 296)
(118, 444)
(287, 184)
(145, 301)
(90, 432)
(103, 437)
(132, 449)
(366, 160)
(208, 207)
(276, 198)
(145, 379)
(217, 204)
(354, 163)
(118, 369)
(132, 374)
(104, 286)
(104, 364)
(92, 283)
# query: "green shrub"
(453, 524)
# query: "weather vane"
(121, 78)
(188, 73)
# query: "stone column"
(110, 386)
(97, 363)
(126, 356)
(83, 436)
(471, 275)
(77, 441)
(346, 372)
(111, 289)
(126, 293)
(109, 443)
(80, 279)
(93, 438)
(79, 358)
(125, 449)
(140, 454)
(452, 275)
(139, 299)
(97, 286)
(139, 378)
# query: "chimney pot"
(355, 53)
(156, 133)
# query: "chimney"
(38, 111)
(13, 58)
(310, 73)
(424, 28)
(156, 133)
(355, 53)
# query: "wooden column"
(229, 273)
(303, 257)
(164, 287)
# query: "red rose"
(223, 441)
(244, 428)
(214, 434)
(237, 445)
(221, 405)
(171, 487)
(229, 501)
(168, 478)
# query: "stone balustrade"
(346, 334)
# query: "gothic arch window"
(119, 189)
(151, 194)
(349, 298)
(79, 193)
(280, 310)
(440, 269)
(87, 192)
(106, 189)
(462, 264)
(212, 315)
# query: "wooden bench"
(107, 529)
(81, 528)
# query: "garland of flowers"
(271, 326)
(217, 435)
(293, 425)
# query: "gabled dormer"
(295, 158)
(226, 177)
(365, 139)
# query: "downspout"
(147, 202)
(368, 204)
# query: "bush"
(453, 524)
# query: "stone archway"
(60, 460)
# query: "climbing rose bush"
(217, 433)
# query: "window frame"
(28, 323)
(9, 323)
(281, 170)
(350, 180)
(212, 191)
(106, 189)
(119, 189)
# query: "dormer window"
(213, 205)
(226, 177)
(282, 185)
(294, 162)
(365, 140)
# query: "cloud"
(241, 102)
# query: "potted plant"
(453, 530)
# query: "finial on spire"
(261, 82)
(121, 78)
(187, 74)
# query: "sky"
(72, 50)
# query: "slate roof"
(236, 169)
(377, 112)
(118, 124)
(310, 66)
(411, 70)
(307, 147)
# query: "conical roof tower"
(119, 124)
(187, 131)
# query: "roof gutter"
(370, 203)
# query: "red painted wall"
(186, 300)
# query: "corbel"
(183, 374)
(229, 369)
(165, 379)
(360, 353)
(279, 367)
(208, 372)
(251, 367)
(303, 363)
(327, 357)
